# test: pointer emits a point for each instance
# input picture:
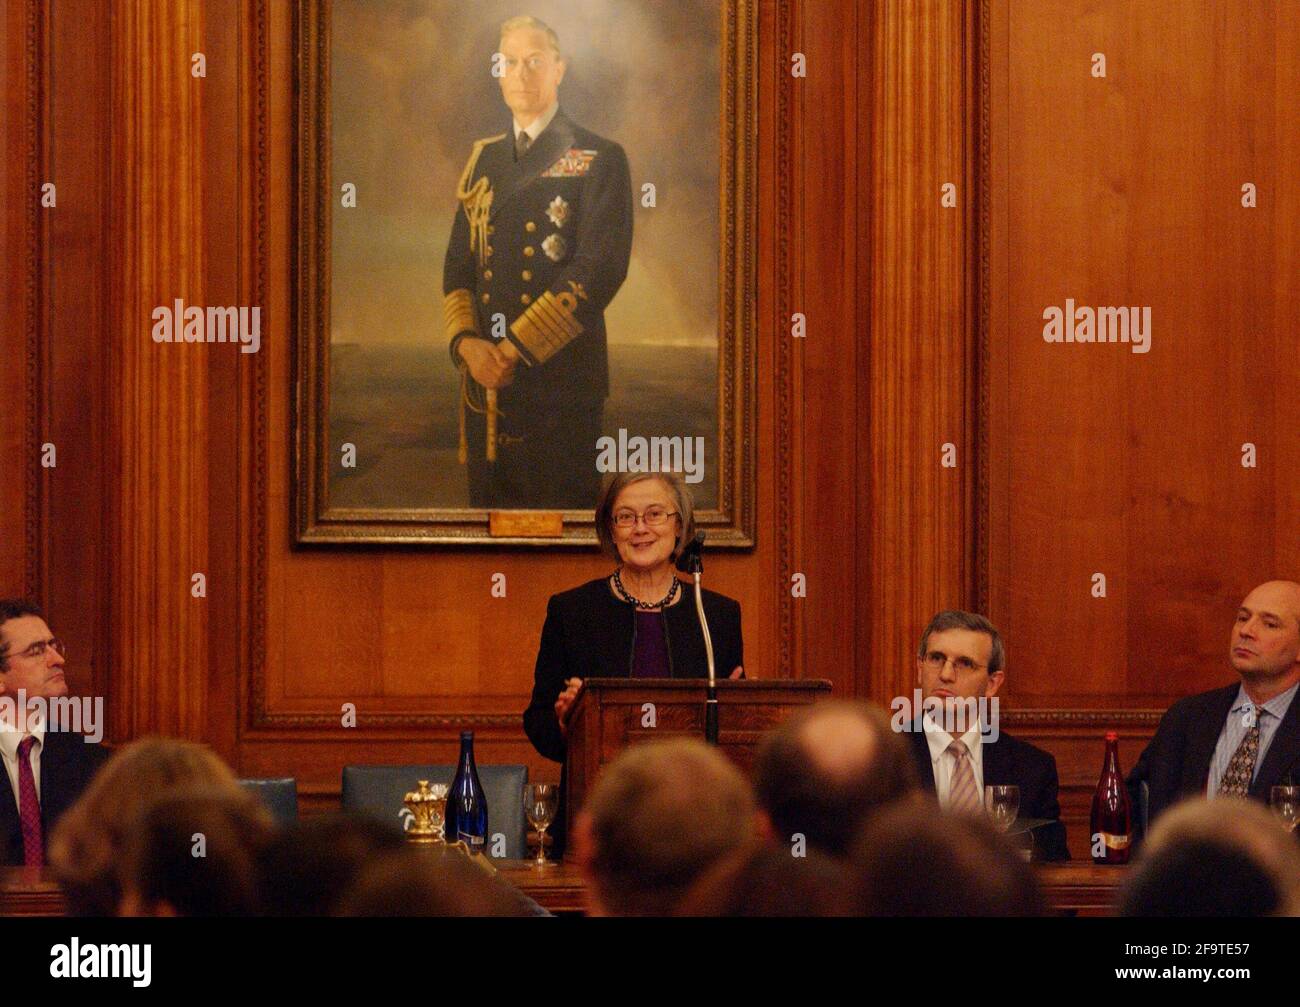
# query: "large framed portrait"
(524, 243)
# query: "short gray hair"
(528, 21)
(954, 619)
(618, 483)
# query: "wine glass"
(1002, 804)
(1285, 801)
(540, 802)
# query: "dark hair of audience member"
(424, 882)
(911, 860)
(823, 770)
(766, 880)
(658, 817)
(1221, 858)
(310, 865)
(88, 842)
(193, 852)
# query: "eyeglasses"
(653, 517)
(39, 647)
(936, 659)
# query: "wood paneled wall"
(924, 331)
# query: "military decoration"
(554, 246)
(558, 211)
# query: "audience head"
(193, 852)
(960, 657)
(425, 882)
(766, 880)
(659, 815)
(90, 839)
(913, 861)
(1226, 857)
(310, 865)
(31, 658)
(1265, 648)
(827, 767)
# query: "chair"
(279, 795)
(378, 790)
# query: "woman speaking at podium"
(639, 621)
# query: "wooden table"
(1076, 887)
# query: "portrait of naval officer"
(539, 248)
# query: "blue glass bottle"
(467, 810)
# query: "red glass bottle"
(1112, 819)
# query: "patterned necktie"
(1237, 777)
(522, 142)
(29, 807)
(963, 795)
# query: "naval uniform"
(539, 247)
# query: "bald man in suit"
(1243, 739)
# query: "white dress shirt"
(943, 762)
(535, 128)
(9, 742)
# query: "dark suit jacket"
(590, 634)
(1012, 762)
(67, 764)
(1176, 763)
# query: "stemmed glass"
(1002, 804)
(1285, 801)
(540, 802)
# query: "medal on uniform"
(558, 211)
(554, 247)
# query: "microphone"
(692, 561)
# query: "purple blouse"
(651, 655)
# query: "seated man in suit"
(959, 662)
(46, 764)
(1243, 739)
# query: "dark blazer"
(1176, 762)
(589, 633)
(67, 764)
(1012, 762)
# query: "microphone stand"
(692, 562)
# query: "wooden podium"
(612, 713)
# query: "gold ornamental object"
(428, 808)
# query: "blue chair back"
(378, 791)
(279, 795)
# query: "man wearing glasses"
(957, 743)
(46, 766)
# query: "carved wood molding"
(35, 322)
(158, 436)
(784, 350)
(921, 345)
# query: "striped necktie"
(963, 795)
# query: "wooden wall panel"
(923, 329)
(1126, 190)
